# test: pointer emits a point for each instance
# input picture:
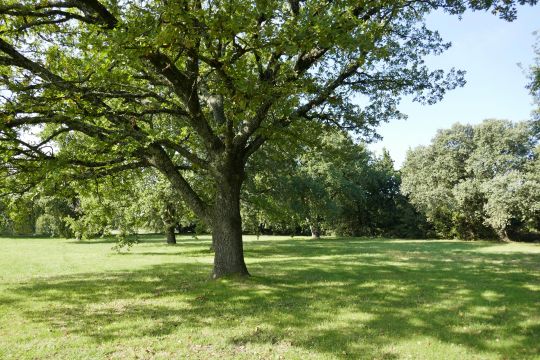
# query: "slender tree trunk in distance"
(315, 232)
(315, 229)
(169, 220)
(227, 225)
(503, 235)
(171, 236)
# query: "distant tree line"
(472, 182)
(333, 186)
(481, 181)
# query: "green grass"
(323, 299)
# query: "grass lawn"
(323, 299)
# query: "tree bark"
(503, 235)
(315, 231)
(171, 235)
(227, 225)
(169, 222)
(314, 227)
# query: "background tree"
(55, 211)
(333, 185)
(159, 207)
(128, 204)
(477, 181)
(107, 206)
(308, 188)
(196, 86)
(382, 210)
(21, 214)
(5, 221)
(40, 211)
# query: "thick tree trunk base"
(171, 236)
(226, 223)
(227, 240)
(236, 272)
(503, 236)
(229, 254)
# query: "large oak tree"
(95, 87)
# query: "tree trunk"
(169, 221)
(171, 236)
(315, 231)
(314, 227)
(227, 227)
(223, 217)
(503, 235)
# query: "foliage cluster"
(478, 181)
(333, 186)
(112, 205)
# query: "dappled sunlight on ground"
(328, 298)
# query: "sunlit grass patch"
(509, 248)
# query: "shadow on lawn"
(372, 294)
(148, 238)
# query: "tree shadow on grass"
(112, 239)
(156, 239)
(354, 246)
(346, 298)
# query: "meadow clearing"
(333, 298)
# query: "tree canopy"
(93, 88)
(332, 186)
(478, 181)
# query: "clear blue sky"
(489, 49)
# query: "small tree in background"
(127, 205)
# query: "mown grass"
(323, 299)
